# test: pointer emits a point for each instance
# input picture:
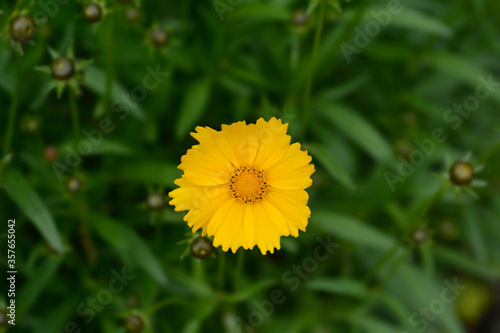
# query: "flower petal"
(203, 134)
(249, 227)
(293, 171)
(190, 196)
(267, 237)
(226, 223)
(205, 166)
(199, 218)
(272, 140)
(293, 206)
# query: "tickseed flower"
(245, 185)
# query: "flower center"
(247, 184)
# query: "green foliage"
(384, 80)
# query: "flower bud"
(92, 12)
(155, 201)
(135, 323)
(201, 248)
(22, 28)
(462, 173)
(300, 18)
(62, 68)
(74, 184)
(420, 236)
(159, 37)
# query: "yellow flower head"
(245, 185)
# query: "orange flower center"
(248, 184)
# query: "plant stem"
(13, 109)
(109, 63)
(165, 302)
(239, 270)
(393, 267)
(198, 268)
(314, 54)
(488, 154)
(385, 259)
(220, 271)
(428, 259)
(419, 215)
(74, 117)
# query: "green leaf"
(30, 291)
(466, 70)
(194, 286)
(95, 80)
(200, 312)
(193, 106)
(357, 129)
(262, 11)
(58, 316)
(28, 201)
(152, 172)
(350, 229)
(417, 290)
(129, 246)
(373, 325)
(472, 222)
(108, 147)
(459, 260)
(333, 168)
(418, 21)
(251, 290)
(340, 286)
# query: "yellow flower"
(245, 185)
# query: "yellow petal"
(293, 206)
(190, 196)
(272, 141)
(227, 224)
(293, 171)
(199, 218)
(230, 142)
(203, 134)
(249, 227)
(276, 218)
(205, 166)
(267, 237)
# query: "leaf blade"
(21, 192)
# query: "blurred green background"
(364, 85)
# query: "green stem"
(428, 259)
(220, 271)
(109, 63)
(198, 268)
(426, 205)
(488, 154)
(165, 302)
(239, 270)
(419, 215)
(393, 267)
(75, 118)
(384, 260)
(307, 96)
(13, 109)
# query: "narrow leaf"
(333, 168)
(358, 130)
(28, 201)
(129, 246)
(193, 106)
